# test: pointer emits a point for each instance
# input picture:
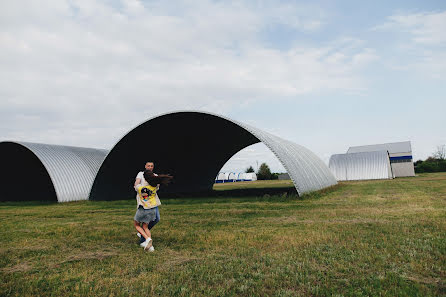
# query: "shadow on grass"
(240, 195)
(27, 203)
(286, 193)
(250, 192)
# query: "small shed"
(361, 166)
(284, 176)
(220, 178)
(251, 176)
(231, 177)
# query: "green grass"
(364, 238)
(254, 185)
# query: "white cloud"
(84, 72)
(425, 28)
(420, 41)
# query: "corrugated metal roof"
(72, 169)
(360, 166)
(307, 171)
(394, 147)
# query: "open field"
(356, 239)
(254, 185)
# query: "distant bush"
(435, 163)
(264, 172)
(249, 169)
(274, 175)
(430, 165)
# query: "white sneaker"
(147, 244)
(151, 249)
(138, 234)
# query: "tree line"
(435, 163)
(263, 173)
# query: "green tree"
(249, 169)
(264, 172)
(434, 163)
(274, 175)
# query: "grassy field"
(254, 185)
(370, 238)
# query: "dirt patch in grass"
(21, 267)
(426, 280)
(175, 258)
(299, 220)
(98, 255)
(80, 256)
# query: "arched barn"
(251, 176)
(34, 171)
(220, 178)
(361, 166)
(232, 177)
(181, 143)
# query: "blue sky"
(326, 74)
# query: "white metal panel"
(306, 170)
(360, 166)
(403, 169)
(394, 147)
(400, 154)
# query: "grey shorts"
(143, 215)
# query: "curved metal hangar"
(185, 143)
(35, 171)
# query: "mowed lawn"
(365, 238)
(254, 185)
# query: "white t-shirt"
(143, 180)
(144, 183)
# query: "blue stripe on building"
(401, 158)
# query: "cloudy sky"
(326, 75)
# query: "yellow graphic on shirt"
(147, 195)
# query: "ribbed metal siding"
(393, 147)
(403, 169)
(306, 170)
(71, 169)
(360, 166)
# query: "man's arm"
(138, 180)
(137, 184)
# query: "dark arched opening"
(24, 177)
(184, 144)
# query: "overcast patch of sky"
(326, 75)
(403, 99)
